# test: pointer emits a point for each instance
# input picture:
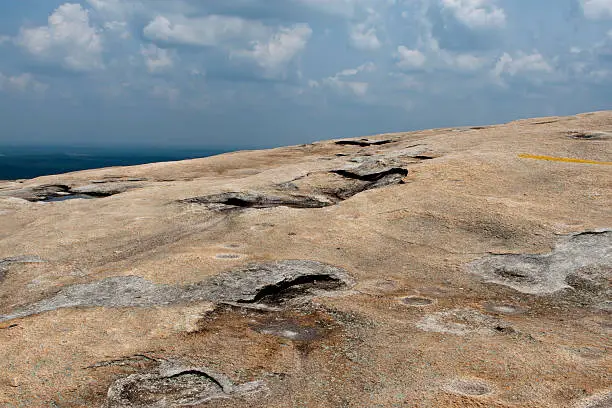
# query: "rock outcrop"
(464, 267)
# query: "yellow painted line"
(563, 159)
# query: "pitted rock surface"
(455, 268)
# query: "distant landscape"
(29, 162)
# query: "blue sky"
(255, 73)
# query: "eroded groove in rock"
(268, 283)
(582, 262)
(61, 192)
(363, 142)
(594, 135)
(284, 290)
(370, 172)
(276, 282)
(256, 200)
(354, 180)
(175, 387)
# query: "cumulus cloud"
(117, 27)
(345, 81)
(363, 36)
(21, 83)
(274, 54)
(465, 62)
(409, 59)
(521, 64)
(476, 14)
(156, 59)
(597, 9)
(211, 30)
(67, 39)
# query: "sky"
(259, 73)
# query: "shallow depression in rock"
(228, 256)
(503, 308)
(469, 387)
(417, 301)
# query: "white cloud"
(408, 58)
(156, 59)
(476, 14)
(4, 39)
(344, 82)
(405, 81)
(274, 54)
(22, 83)
(117, 27)
(521, 64)
(467, 62)
(597, 9)
(363, 37)
(212, 30)
(68, 39)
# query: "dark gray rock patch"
(62, 192)
(580, 262)
(372, 172)
(363, 142)
(274, 283)
(590, 135)
(603, 400)
(175, 387)
(68, 197)
(231, 200)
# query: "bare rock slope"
(465, 267)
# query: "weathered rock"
(257, 200)
(462, 322)
(580, 261)
(363, 142)
(176, 386)
(355, 180)
(267, 284)
(276, 282)
(415, 329)
(590, 135)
